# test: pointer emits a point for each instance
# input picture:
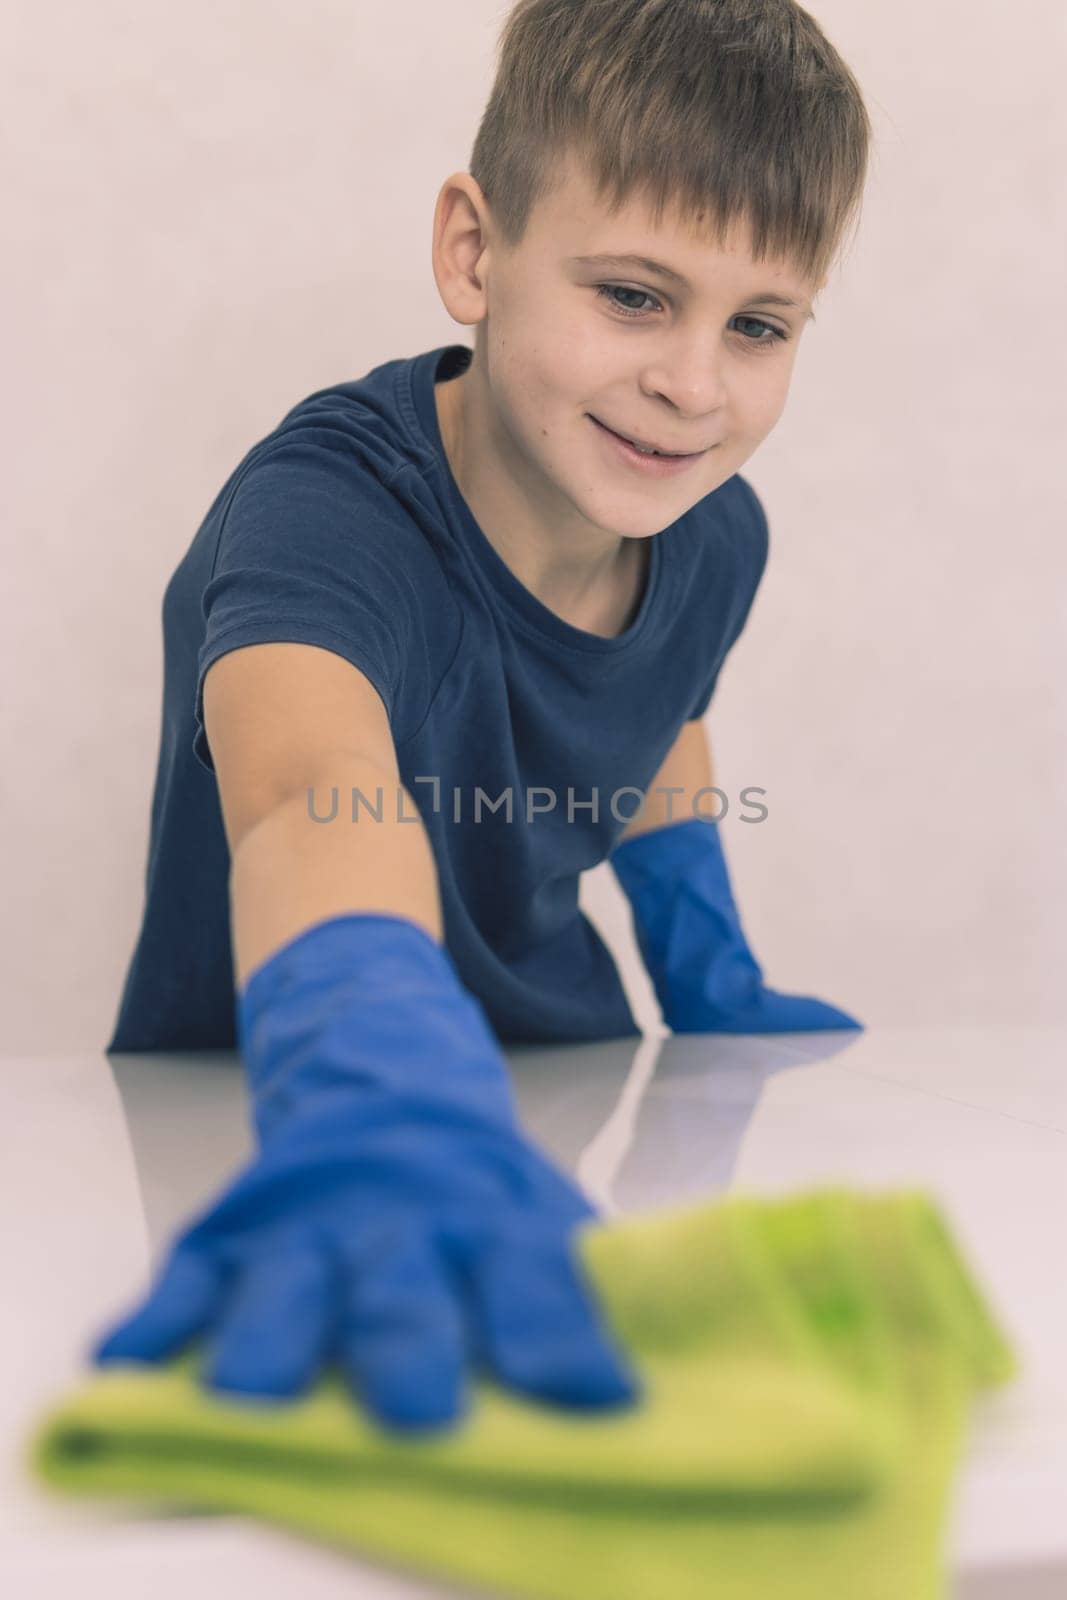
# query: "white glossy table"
(100, 1160)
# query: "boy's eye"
(608, 291)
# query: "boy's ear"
(460, 248)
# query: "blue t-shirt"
(345, 528)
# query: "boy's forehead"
(576, 226)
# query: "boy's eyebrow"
(661, 270)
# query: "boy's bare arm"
(282, 719)
(686, 769)
(289, 871)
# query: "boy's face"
(565, 345)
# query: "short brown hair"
(722, 109)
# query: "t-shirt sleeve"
(314, 549)
(750, 542)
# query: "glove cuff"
(365, 1003)
(670, 850)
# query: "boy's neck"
(595, 585)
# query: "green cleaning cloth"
(808, 1365)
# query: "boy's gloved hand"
(705, 977)
(395, 1219)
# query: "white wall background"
(212, 210)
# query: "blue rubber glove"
(394, 1220)
(705, 977)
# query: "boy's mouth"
(643, 445)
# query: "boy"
(431, 628)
